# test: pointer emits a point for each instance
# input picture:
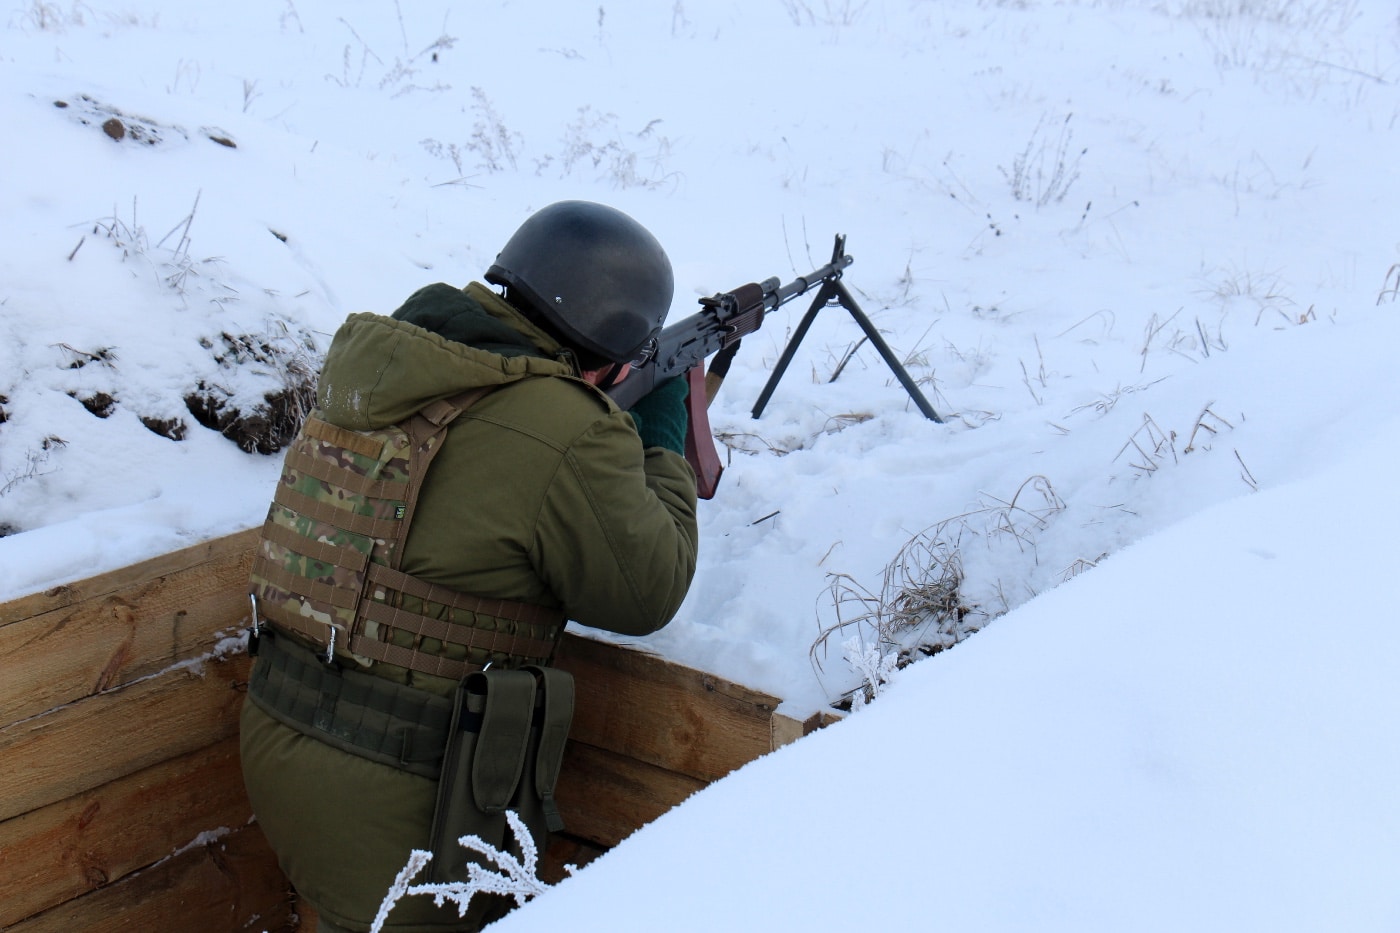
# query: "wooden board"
(566, 852)
(166, 613)
(76, 748)
(662, 713)
(96, 838)
(305, 917)
(605, 796)
(238, 546)
(786, 730)
(228, 884)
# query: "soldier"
(464, 488)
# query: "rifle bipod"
(834, 292)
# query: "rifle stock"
(716, 329)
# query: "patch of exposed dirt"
(130, 128)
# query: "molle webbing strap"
(331, 514)
(422, 662)
(317, 590)
(432, 592)
(365, 715)
(352, 441)
(308, 465)
(336, 555)
(468, 636)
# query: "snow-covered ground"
(1143, 258)
(1203, 734)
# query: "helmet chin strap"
(616, 374)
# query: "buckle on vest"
(255, 631)
(328, 658)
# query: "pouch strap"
(557, 686)
(505, 736)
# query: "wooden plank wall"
(121, 800)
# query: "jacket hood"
(443, 341)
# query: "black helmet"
(597, 277)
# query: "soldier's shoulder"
(563, 396)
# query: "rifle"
(717, 328)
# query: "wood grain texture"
(84, 745)
(162, 615)
(96, 838)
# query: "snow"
(1141, 258)
(1176, 741)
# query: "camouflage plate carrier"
(327, 565)
(329, 603)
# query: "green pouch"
(504, 752)
(485, 755)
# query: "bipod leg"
(824, 295)
(833, 291)
(848, 301)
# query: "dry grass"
(919, 608)
(1210, 423)
(748, 442)
(1390, 288)
(1150, 446)
(1044, 170)
(272, 423)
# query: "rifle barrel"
(690, 340)
(803, 283)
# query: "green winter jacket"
(542, 493)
